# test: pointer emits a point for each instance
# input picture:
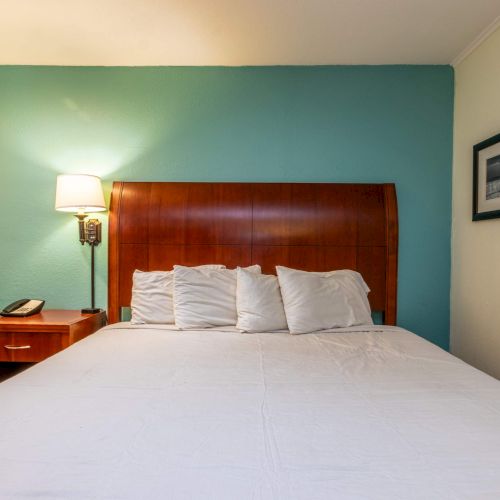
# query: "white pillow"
(258, 303)
(320, 301)
(152, 296)
(205, 297)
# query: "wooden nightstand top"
(48, 320)
(46, 317)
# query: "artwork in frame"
(486, 179)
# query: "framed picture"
(486, 179)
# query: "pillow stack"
(322, 301)
(153, 296)
(212, 296)
(259, 303)
(204, 298)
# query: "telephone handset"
(23, 307)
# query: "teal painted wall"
(318, 124)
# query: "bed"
(148, 411)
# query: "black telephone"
(23, 307)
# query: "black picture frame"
(481, 165)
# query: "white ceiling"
(241, 32)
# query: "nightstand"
(37, 337)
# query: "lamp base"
(90, 310)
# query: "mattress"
(150, 412)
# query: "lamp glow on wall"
(82, 194)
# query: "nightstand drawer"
(29, 347)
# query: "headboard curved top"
(314, 227)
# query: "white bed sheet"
(153, 413)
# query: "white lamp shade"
(79, 193)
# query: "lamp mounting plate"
(89, 230)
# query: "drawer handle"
(14, 347)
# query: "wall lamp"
(82, 194)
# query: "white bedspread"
(374, 413)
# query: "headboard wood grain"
(315, 227)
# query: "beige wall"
(475, 288)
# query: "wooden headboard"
(315, 227)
